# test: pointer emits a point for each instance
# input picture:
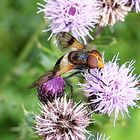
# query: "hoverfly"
(76, 58)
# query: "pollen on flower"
(112, 89)
(76, 16)
(62, 120)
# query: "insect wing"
(67, 42)
(62, 66)
(44, 78)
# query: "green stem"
(25, 53)
(29, 46)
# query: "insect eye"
(92, 62)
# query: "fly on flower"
(77, 55)
(76, 58)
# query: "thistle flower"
(136, 5)
(113, 88)
(51, 89)
(102, 137)
(113, 11)
(62, 120)
(98, 136)
(76, 16)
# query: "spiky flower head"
(113, 11)
(76, 16)
(62, 120)
(102, 137)
(135, 5)
(51, 89)
(113, 88)
(98, 136)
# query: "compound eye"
(92, 62)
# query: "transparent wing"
(62, 66)
(67, 42)
(44, 78)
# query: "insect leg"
(73, 74)
(71, 87)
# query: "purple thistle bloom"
(51, 89)
(62, 120)
(136, 5)
(113, 88)
(76, 16)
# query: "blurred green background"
(25, 54)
